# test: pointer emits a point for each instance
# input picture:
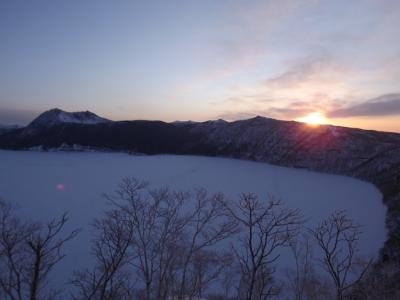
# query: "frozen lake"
(30, 180)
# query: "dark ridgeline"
(147, 137)
(365, 154)
(50, 130)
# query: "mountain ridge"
(369, 155)
(53, 116)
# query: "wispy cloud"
(240, 45)
(308, 84)
(380, 106)
(384, 105)
(314, 69)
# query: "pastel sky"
(205, 59)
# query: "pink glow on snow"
(60, 186)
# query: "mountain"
(2, 126)
(57, 116)
(332, 149)
(56, 129)
(365, 154)
(5, 128)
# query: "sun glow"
(314, 119)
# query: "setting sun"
(315, 118)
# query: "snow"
(334, 130)
(78, 118)
(56, 116)
(45, 184)
(177, 122)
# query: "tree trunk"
(35, 278)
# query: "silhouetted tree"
(337, 238)
(164, 239)
(109, 279)
(208, 225)
(28, 253)
(158, 223)
(266, 227)
(304, 282)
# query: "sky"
(206, 59)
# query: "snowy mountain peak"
(56, 116)
(177, 122)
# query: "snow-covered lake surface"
(44, 185)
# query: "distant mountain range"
(369, 155)
(333, 149)
(57, 116)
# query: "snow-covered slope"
(56, 116)
(333, 149)
(349, 151)
(366, 154)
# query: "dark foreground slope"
(368, 155)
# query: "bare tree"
(109, 278)
(303, 271)
(171, 224)
(45, 246)
(228, 280)
(337, 239)
(171, 247)
(265, 228)
(171, 242)
(13, 253)
(158, 220)
(206, 267)
(29, 251)
(303, 280)
(207, 226)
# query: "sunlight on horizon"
(314, 119)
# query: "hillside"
(368, 155)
